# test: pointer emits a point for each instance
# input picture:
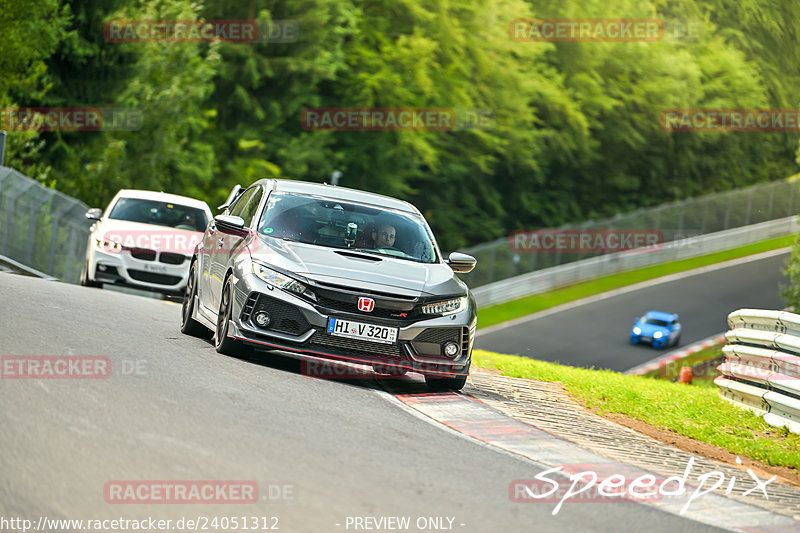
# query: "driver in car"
(384, 236)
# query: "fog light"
(101, 267)
(263, 319)
(450, 349)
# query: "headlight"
(276, 279)
(107, 245)
(637, 331)
(447, 307)
(657, 335)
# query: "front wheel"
(85, 281)
(444, 384)
(190, 326)
(224, 344)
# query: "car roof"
(661, 315)
(163, 197)
(338, 193)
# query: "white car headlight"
(107, 245)
(282, 281)
(637, 330)
(657, 335)
(447, 307)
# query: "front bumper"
(137, 269)
(299, 326)
(645, 339)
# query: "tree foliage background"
(576, 132)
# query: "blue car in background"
(658, 329)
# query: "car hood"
(649, 329)
(357, 270)
(150, 236)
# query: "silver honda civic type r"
(333, 273)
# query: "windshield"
(655, 322)
(340, 224)
(159, 213)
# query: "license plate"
(362, 331)
(155, 268)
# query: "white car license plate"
(155, 268)
(362, 331)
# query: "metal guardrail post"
(2, 147)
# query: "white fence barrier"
(578, 271)
(761, 371)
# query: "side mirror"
(461, 263)
(231, 197)
(94, 214)
(230, 224)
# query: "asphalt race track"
(173, 409)
(597, 334)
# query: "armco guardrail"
(41, 228)
(761, 371)
(675, 221)
(602, 265)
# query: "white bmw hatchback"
(144, 239)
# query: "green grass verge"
(701, 362)
(695, 412)
(538, 302)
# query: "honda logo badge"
(366, 304)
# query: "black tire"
(222, 343)
(677, 340)
(444, 384)
(190, 326)
(85, 281)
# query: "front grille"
(379, 294)
(386, 309)
(171, 258)
(152, 277)
(286, 318)
(143, 254)
(355, 347)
